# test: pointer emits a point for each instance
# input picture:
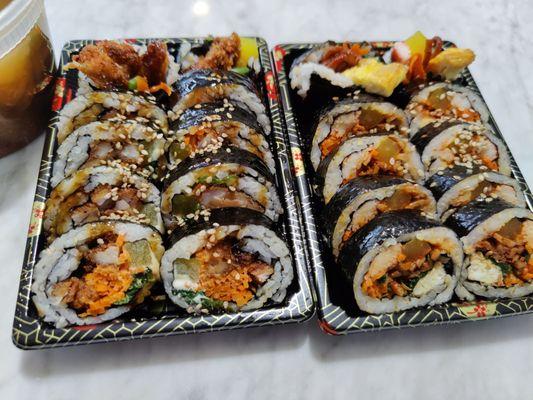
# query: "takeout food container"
(160, 317)
(336, 307)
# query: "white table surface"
(483, 360)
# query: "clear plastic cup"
(27, 69)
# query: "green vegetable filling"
(139, 281)
(183, 204)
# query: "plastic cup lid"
(16, 20)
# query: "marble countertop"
(489, 360)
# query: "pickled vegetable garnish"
(387, 149)
(439, 99)
(370, 118)
(179, 152)
(415, 249)
(183, 204)
(511, 229)
(400, 199)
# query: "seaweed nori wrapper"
(222, 217)
(442, 181)
(199, 78)
(429, 132)
(466, 218)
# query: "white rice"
(300, 76)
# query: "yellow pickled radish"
(248, 49)
(417, 43)
(387, 149)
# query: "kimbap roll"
(99, 106)
(498, 243)
(401, 260)
(355, 116)
(444, 101)
(226, 178)
(366, 156)
(233, 261)
(101, 193)
(443, 145)
(327, 61)
(458, 186)
(130, 144)
(206, 86)
(96, 272)
(362, 199)
(212, 125)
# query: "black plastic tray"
(162, 318)
(336, 308)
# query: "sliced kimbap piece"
(355, 116)
(99, 106)
(233, 261)
(206, 86)
(401, 260)
(229, 177)
(458, 186)
(443, 145)
(442, 101)
(390, 155)
(96, 272)
(327, 61)
(131, 144)
(498, 243)
(362, 199)
(100, 193)
(213, 125)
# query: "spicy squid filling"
(210, 136)
(443, 103)
(206, 94)
(363, 121)
(387, 158)
(503, 259)
(225, 271)
(111, 272)
(410, 269)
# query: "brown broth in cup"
(26, 88)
